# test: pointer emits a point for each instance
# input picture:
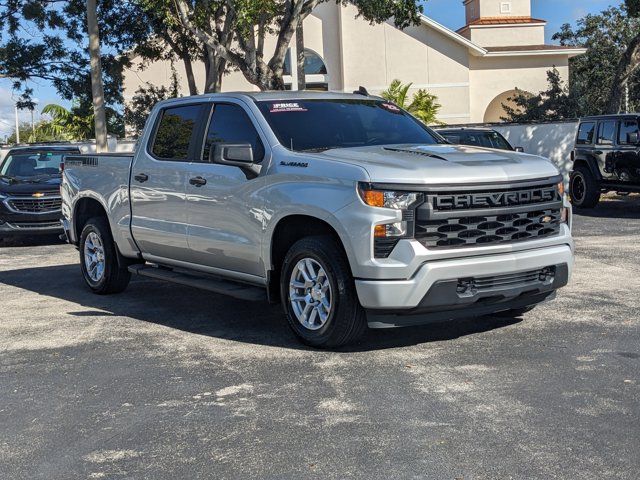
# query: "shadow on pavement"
(31, 241)
(204, 313)
(613, 207)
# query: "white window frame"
(505, 7)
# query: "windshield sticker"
(286, 107)
(390, 107)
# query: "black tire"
(114, 279)
(515, 312)
(346, 321)
(584, 188)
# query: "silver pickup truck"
(344, 208)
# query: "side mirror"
(634, 138)
(519, 149)
(236, 154)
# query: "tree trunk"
(191, 80)
(214, 71)
(97, 88)
(302, 81)
(628, 64)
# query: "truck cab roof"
(284, 95)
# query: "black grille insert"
(488, 230)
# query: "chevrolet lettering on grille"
(494, 199)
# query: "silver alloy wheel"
(94, 256)
(310, 294)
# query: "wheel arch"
(288, 230)
(84, 209)
(581, 161)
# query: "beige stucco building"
(472, 71)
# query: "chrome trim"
(7, 203)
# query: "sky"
(447, 12)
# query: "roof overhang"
(474, 49)
(526, 52)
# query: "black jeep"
(606, 158)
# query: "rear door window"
(627, 130)
(453, 138)
(585, 133)
(607, 132)
(175, 132)
(231, 124)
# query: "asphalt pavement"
(168, 382)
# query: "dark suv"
(477, 137)
(30, 189)
(606, 158)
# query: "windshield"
(32, 164)
(324, 124)
(489, 140)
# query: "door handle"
(198, 181)
(141, 177)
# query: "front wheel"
(584, 188)
(318, 294)
(98, 259)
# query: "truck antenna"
(361, 91)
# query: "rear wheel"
(98, 258)
(318, 294)
(584, 188)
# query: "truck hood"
(443, 164)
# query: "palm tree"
(65, 124)
(424, 106)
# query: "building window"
(315, 71)
(505, 7)
(313, 63)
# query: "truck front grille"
(482, 217)
(489, 230)
(35, 205)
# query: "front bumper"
(438, 286)
(30, 227)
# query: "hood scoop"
(415, 152)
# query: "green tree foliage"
(607, 36)
(423, 105)
(32, 134)
(555, 103)
(47, 40)
(72, 124)
(629, 64)
(235, 30)
(137, 111)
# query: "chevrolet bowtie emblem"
(546, 219)
(38, 195)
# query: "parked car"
(343, 207)
(30, 190)
(606, 158)
(477, 137)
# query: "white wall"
(550, 140)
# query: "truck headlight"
(564, 211)
(386, 236)
(388, 198)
